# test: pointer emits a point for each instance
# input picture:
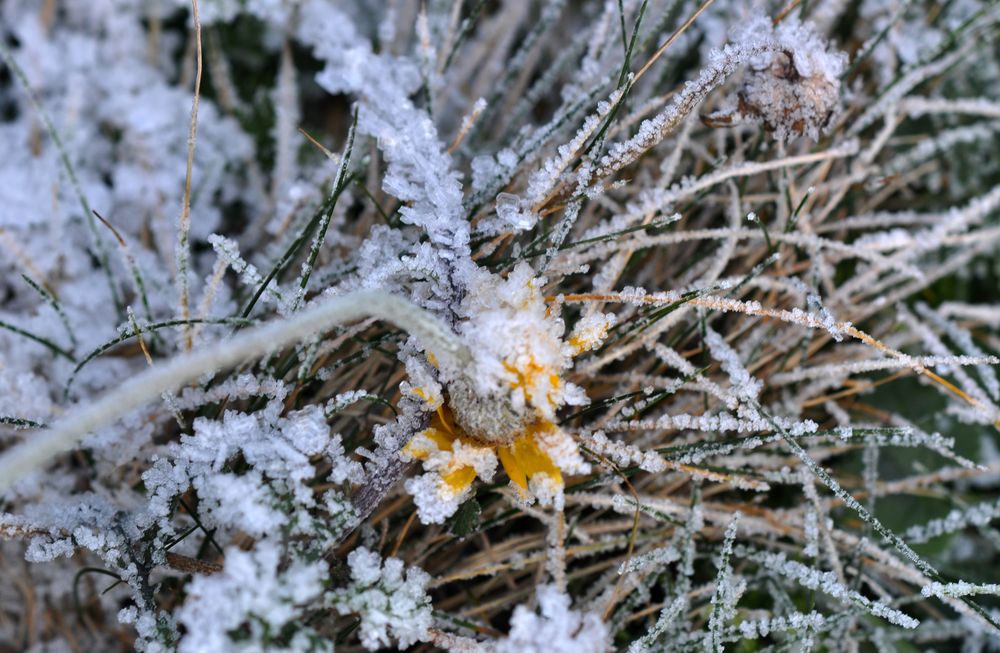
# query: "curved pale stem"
(40, 447)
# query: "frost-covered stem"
(654, 130)
(557, 549)
(457, 643)
(915, 107)
(667, 616)
(673, 37)
(208, 297)
(861, 366)
(960, 588)
(902, 547)
(129, 260)
(57, 307)
(540, 192)
(433, 334)
(183, 251)
(339, 184)
(467, 123)
(905, 84)
(979, 514)
(832, 555)
(371, 493)
(286, 116)
(724, 598)
(659, 199)
(797, 316)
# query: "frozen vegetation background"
(507, 326)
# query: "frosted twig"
(42, 447)
(979, 514)
(827, 583)
(652, 131)
(905, 84)
(859, 367)
(960, 588)
(727, 592)
(663, 621)
(658, 199)
(919, 106)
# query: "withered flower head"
(794, 89)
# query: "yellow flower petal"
(522, 459)
(532, 459)
(443, 439)
(444, 420)
(418, 447)
(460, 479)
(512, 468)
(414, 450)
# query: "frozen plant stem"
(433, 334)
(184, 227)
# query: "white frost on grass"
(393, 604)
(277, 452)
(555, 628)
(249, 604)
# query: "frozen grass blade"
(35, 452)
(183, 250)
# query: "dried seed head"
(787, 103)
(489, 418)
(793, 90)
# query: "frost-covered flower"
(519, 351)
(506, 410)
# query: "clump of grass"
(628, 326)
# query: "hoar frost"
(555, 628)
(250, 603)
(532, 178)
(393, 604)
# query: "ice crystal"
(392, 602)
(261, 598)
(556, 627)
